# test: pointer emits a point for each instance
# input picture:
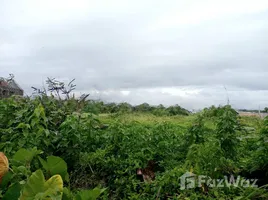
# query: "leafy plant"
(37, 188)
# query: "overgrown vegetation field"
(64, 149)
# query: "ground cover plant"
(65, 148)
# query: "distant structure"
(9, 87)
(252, 114)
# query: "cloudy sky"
(171, 52)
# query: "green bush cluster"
(98, 107)
(110, 156)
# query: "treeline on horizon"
(98, 107)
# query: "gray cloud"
(141, 48)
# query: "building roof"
(9, 83)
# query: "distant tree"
(145, 107)
(266, 109)
(177, 110)
(124, 107)
(161, 107)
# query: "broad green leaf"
(21, 169)
(24, 156)
(67, 195)
(89, 194)
(37, 188)
(55, 165)
(6, 179)
(13, 192)
(55, 182)
(54, 188)
(43, 163)
(34, 185)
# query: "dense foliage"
(98, 107)
(125, 159)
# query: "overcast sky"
(170, 52)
